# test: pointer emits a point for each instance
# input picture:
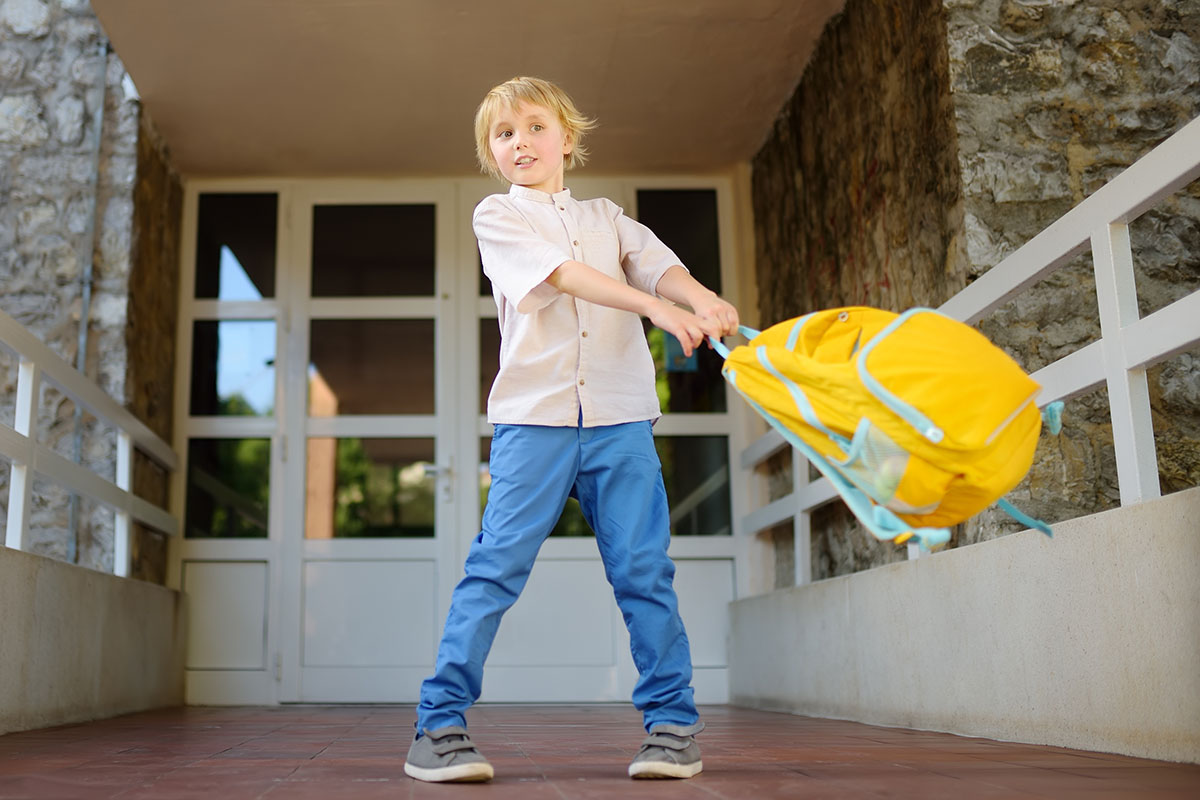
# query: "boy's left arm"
(678, 286)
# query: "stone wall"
(69, 162)
(857, 198)
(150, 332)
(1052, 100)
(921, 148)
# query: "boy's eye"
(504, 134)
(535, 128)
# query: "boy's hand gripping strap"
(720, 347)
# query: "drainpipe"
(85, 286)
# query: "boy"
(572, 406)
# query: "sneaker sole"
(652, 769)
(461, 773)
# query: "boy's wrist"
(701, 297)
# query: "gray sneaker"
(668, 752)
(446, 754)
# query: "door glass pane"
(233, 368)
(371, 366)
(369, 488)
(685, 384)
(485, 283)
(373, 250)
(489, 359)
(228, 487)
(686, 221)
(696, 473)
(570, 522)
(235, 246)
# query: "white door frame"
(458, 423)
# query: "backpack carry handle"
(720, 347)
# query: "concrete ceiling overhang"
(389, 87)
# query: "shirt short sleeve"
(644, 258)
(515, 257)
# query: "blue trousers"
(615, 473)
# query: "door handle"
(444, 475)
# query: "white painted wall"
(76, 644)
(1089, 640)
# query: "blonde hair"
(538, 92)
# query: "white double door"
(379, 465)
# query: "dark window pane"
(228, 488)
(489, 359)
(686, 221)
(696, 472)
(485, 283)
(233, 368)
(369, 488)
(235, 246)
(373, 251)
(371, 366)
(693, 384)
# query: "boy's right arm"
(579, 280)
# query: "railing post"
(1128, 393)
(122, 553)
(20, 487)
(801, 523)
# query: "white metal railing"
(29, 457)
(1119, 359)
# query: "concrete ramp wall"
(76, 644)
(1089, 640)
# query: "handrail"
(1119, 359)
(29, 457)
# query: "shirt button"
(576, 243)
(584, 334)
(562, 208)
(581, 381)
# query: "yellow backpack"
(917, 419)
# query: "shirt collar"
(537, 195)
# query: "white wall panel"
(565, 617)
(227, 614)
(369, 614)
(705, 590)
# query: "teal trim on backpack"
(1052, 417)
(923, 424)
(794, 335)
(720, 346)
(1023, 518)
(881, 522)
(800, 399)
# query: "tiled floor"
(553, 752)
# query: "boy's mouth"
(525, 161)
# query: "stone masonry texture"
(71, 195)
(857, 198)
(1052, 100)
(923, 147)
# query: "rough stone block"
(1009, 177)
(26, 17)
(991, 69)
(68, 119)
(21, 121)
(12, 63)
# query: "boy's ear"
(568, 143)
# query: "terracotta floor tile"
(553, 752)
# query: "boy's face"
(528, 144)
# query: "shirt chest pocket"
(601, 251)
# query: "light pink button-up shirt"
(558, 354)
